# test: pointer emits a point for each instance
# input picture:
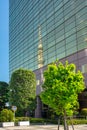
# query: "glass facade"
(63, 29)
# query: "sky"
(4, 40)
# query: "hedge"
(49, 121)
(77, 121)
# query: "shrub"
(6, 115)
(77, 121)
(50, 121)
(41, 120)
(21, 119)
(84, 111)
(35, 120)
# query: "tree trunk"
(65, 122)
(72, 123)
(58, 123)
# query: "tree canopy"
(22, 88)
(61, 88)
(3, 94)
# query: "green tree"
(3, 94)
(22, 89)
(61, 88)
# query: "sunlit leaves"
(61, 87)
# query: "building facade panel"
(63, 27)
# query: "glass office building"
(63, 34)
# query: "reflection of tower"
(40, 54)
(38, 111)
(40, 50)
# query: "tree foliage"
(22, 89)
(3, 94)
(61, 87)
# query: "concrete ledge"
(23, 123)
(6, 124)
